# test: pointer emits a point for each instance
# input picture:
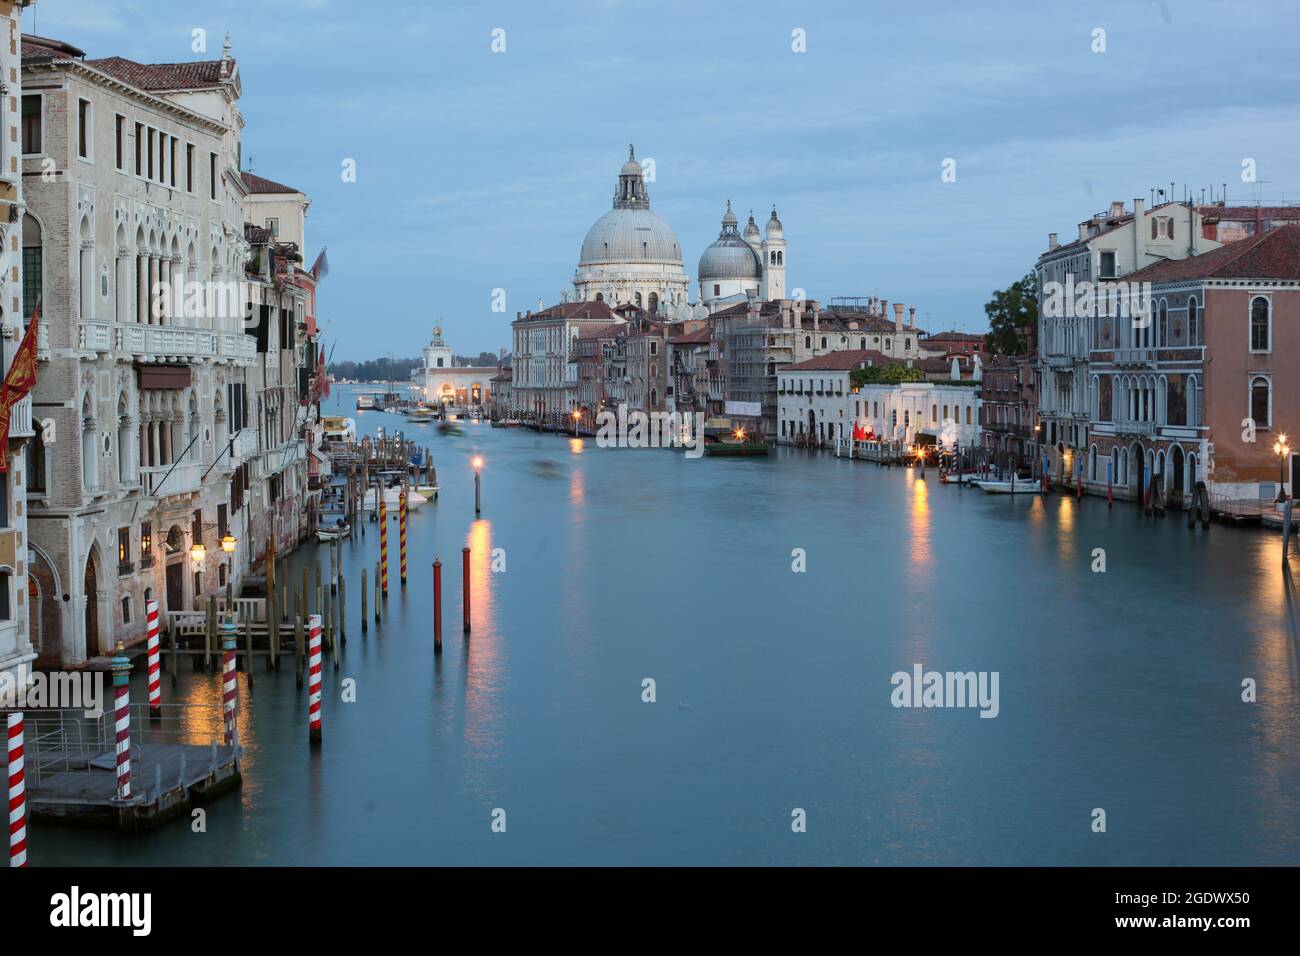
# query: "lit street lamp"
(478, 471)
(577, 417)
(1281, 449)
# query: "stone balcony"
(20, 419)
(164, 343)
(163, 481)
(1140, 429)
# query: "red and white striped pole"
(313, 678)
(383, 543)
(401, 534)
(155, 667)
(120, 665)
(17, 793)
(229, 682)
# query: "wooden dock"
(71, 767)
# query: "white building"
(545, 380)
(630, 254)
(447, 383)
(735, 265)
(818, 404)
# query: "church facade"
(449, 384)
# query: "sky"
(479, 170)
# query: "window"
(126, 610)
(189, 167)
(1108, 265)
(123, 550)
(171, 161)
(36, 465)
(33, 266)
(4, 499)
(149, 139)
(162, 157)
(146, 544)
(1259, 325)
(196, 527)
(222, 529)
(83, 129)
(1162, 330)
(119, 133)
(6, 607)
(1193, 323)
(1259, 401)
(31, 125)
(212, 175)
(139, 149)
(274, 226)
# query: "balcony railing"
(243, 447)
(1135, 428)
(162, 481)
(166, 342)
(94, 337)
(1145, 358)
(20, 419)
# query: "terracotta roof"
(842, 361)
(611, 331)
(581, 311)
(742, 308)
(166, 76)
(1272, 255)
(955, 337)
(258, 235)
(35, 49)
(1247, 213)
(700, 335)
(260, 184)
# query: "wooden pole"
(272, 612)
(209, 633)
(248, 646)
(296, 619)
(437, 606)
(365, 623)
(464, 570)
(378, 596)
(343, 616)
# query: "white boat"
(337, 430)
(427, 491)
(333, 533)
(392, 499)
(1026, 486)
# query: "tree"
(1013, 314)
(890, 374)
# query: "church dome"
(636, 235)
(630, 232)
(730, 256)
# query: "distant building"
(1009, 409)
(447, 383)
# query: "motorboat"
(392, 499)
(334, 532)
(1017, 485)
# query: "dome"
(636, 235)
(730, 256)
(773, 229)
(751, 228)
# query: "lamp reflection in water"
(484, 679)
(920, 536)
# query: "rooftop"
(260, 184)
(843, 361)
(1272, 255)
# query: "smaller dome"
(730, 256)
(751, 227)
(729, 217)
(773, 226)
(631, 167)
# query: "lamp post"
(577, 417)
(1281, 449)
(478, 472)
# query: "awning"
(165, 376)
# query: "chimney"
(911, 317)
(1052, 242)
(1117, 208)
(1083, 230)
(898, 316)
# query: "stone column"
(87, 280)
(149, 294)
(142, 288)
(123, 280)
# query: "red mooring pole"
(437, 606)
(464, 574)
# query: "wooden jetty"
(71, 766)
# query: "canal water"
(1119, 690)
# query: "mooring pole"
(155, 669)
(437, 606)
(365, 624)
(378, 602)
(383, 545)
(343, 614)
(121, 668)
(229, 684)
(17, 789)
(313, 681)
(401, 535)
(464, 570)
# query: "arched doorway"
(45, 610)
(175, 568)
(1139, 460)
(90, 587)
(812, 426)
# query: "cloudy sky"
(479, 170)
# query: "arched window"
(33, 266)
(89, 450)
(807, 341)
(600, 297)
(1260, 401)
(1260, 339)
(637, 299)
(654, 302)
(1193, 322)
(1162, 329)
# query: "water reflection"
(483, 664)
(920, 527)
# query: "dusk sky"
(478, 170)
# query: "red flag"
(322, 377)
(20, 380)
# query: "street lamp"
(1281, 449)
(228, 543)
(920, 459)
(577, 417)
(198, 552)
(478, 471)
